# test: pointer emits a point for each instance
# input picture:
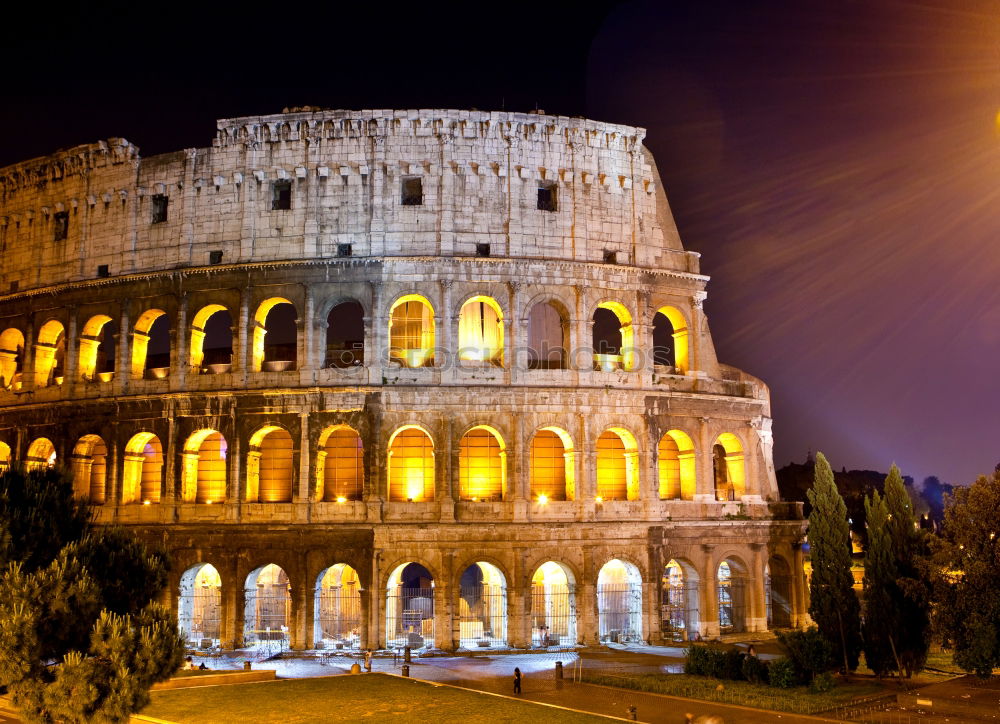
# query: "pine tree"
(881, 616)
(911, 587)
(833, 605)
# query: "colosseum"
(433, 378)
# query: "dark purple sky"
(836, 163)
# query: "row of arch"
(481, 607)
(410, 466)
(274, 333)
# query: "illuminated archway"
(274, 336)
(4, 456)
(729, 467)
(89, 463)
(340, 468)
(548, 336)
(731, 589)
(411, 331)
(778, 593)
(482, 606)
(203, 468)
(679, 602)
(142, 475)
(97, 349)
(409, 607)
(199, 606)
(613, 337)
(269, 466)
(212, 340)
(670, 340)
(41, 454)
(268, 609)
(50, 351)
(676, 466)
(619, 602)
(151, 345)
(411, 465)
(553, 606)
(482, 465)
(338, 615)
(480, 331)
(345, 335)
(617, 465)
(553, 471)
(11, 357)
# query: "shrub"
(696, 661)
(822, 683)
(732, 665)
(781, 673)
(754, 670)
(809, 652)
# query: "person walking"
(517, 680)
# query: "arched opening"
(340, 465)
(268, 608)
(345, 335)
(553, 606)
(50, 353)
(731, 585)
(619, 602)
(778, 592)
(409, 607)
(275, 331)
(212, 340)
(4, 456)
(41, 454)
(480, 331)
(548, 337)
(675, 462)
(482, 465)
(97, 349)
(617, 465)
(203, 469)
(613, 337)
(199, 606)
(728, 467)
(89, 463)
(11, 358)
(151, 345)
(552, 466)
(142, 476)
(482, 607)
(411, 465)
(411, 332)
(670, 340)
(679, 601)
(269, 466)
(338, 615)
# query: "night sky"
(836, 163)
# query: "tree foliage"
(833, 605)
(882, 615)
(80, 637)
(967, 590)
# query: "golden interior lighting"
(624, 359)
(543, 499)
(89, 465)
(270, 466)
(682, 361)
(140, 342)
(481, 465)
(480, 331)
(11, 357)
(142, 478)
(676, 466)
(260, 331)
(340, 466)
(729, 467)
(617, 468)
(90, 344)
(552, 468)
(411, 331)
(411, 466)
(50, 350)
(203, 470)
(41, 454)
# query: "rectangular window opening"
(482, 249)
(62, 225)
(344, 249)
(413, 191)
(547, 197)
(102, 271)
(281, 196)
(159, 209)
(215, 257)
(610, 257)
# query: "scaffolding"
(733, 604)
(679, 611)
(619, 612)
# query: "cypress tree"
(833, 605)
(881, 619)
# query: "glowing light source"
(599, 499)
(341, 499)
(145, 502)
(543, 499)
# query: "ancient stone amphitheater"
(434, 378)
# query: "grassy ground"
(798, 700)
(363, 698)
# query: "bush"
(754, 670)
(732, 665)
(809, 652)
(717, 663)
(696, 661)
(822, 683)
(781, 673)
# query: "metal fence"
(619, 612)
(679, 611)
(272, 608)
(340, 618)
(779, 607)
(409, 617)
(733, 605)
(553, 615)
(204, 627)
(482, 616)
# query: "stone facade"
(316, 208)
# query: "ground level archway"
(619, 602)
(199, 606)
(482, 607)
(553, 606)
(409, 607)
(268, 609)
(338, 616)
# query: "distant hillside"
(928, 496)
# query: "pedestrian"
(368, 660)
(751, 651)
(517, 680)
(188, 664)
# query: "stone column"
(303, 617)
(757, 602)
(179, 354)
(708, 605)
(518, 633)
(445, 338)
(72, 360)
(170, 455)
(122, 369)
(233, 603)
(517, 483)
(305, 353)
(444, 471)
(28, 357)
(705, 469)
(444, 606)
(243, 354)
(376, 332)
